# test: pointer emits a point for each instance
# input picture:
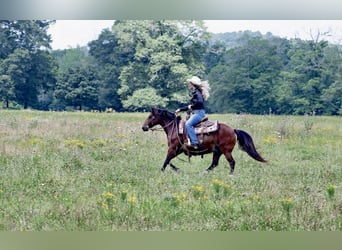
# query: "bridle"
(174, 124)
(163, 127)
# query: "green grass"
(91, 171)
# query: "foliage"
(78, 88)
(71, 58)
(6, 89)
(269, 74)
(306, 78)
(110, 61)
(248, 72)
(143, 99)
(164, 53)
(26, 68)
(244, 80)
(23, 34)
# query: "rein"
(163, 127)
(174, 124)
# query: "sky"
(71, 33)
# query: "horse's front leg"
(174, 168)
(166, 162)
(171, 153)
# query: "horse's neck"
(168, 125)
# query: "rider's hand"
(177, 111)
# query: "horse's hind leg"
(231, 161)
(216, 157)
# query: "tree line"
(142, 63)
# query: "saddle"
(203, 127)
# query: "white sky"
(70, 33)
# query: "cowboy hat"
(195, 81)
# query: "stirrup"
(194, 146)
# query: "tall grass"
(91, 171)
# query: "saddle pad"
(203, 127)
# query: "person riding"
(200, 93)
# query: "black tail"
(246, 144)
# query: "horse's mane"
(167, 114)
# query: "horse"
(222, 141)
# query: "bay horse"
(219, 142)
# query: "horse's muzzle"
(145, 128)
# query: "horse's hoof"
(205, 172)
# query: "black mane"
(167, 114)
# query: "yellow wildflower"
(109, 195)
(271, 139)
(197, 191)
(132, 199)
(104, 205)
(287, 204)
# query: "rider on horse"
(200, 92)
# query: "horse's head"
(157, 117)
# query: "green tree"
(214, 55)
(73, 57)
(17, 66)
(78, 79)
(110, 60)
(332, 95)
(164, 54)
(143, 99)
(6, 89)
(43, 79)
(304, 77)
(77, 87)
(28, 76)
(26, 63)
(23, 34)
(332, 77)
(245, 78)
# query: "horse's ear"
(155, 110)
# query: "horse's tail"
(246, 144)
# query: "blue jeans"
(196, 117)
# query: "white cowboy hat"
(195, 81)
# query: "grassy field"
(97, 171)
